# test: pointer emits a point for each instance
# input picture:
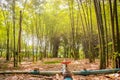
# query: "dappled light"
(73, 66)
(59, 39)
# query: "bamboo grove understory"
(36, 29)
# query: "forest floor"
(49, 64)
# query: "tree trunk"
(101, 34)
(19, 37)
(56, 46)
(92, 58)
(14, 37)
(8, 53)
(7, 34)
(106, 32)
(117, 59)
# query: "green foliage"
(43, 21)
(53, 62)
(81, 55)
(115, 55)
(110, 43)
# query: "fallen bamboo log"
(94, 72)
(82, 72)
(31, 72)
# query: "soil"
(75, 65)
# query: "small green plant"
(81, 55)
(115, 55)
(52, 62)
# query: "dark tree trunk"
(56, 46)
(84, 40)
(91, 34)
(101, 34)
(112, 25)
(14, 37)
(106, 32)
(117, 35)
(7, 34)
(19, 37)
(8, 53)
(33, 39)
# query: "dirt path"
(73, 66)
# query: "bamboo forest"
(59, 39)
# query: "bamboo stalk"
(83, 72)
